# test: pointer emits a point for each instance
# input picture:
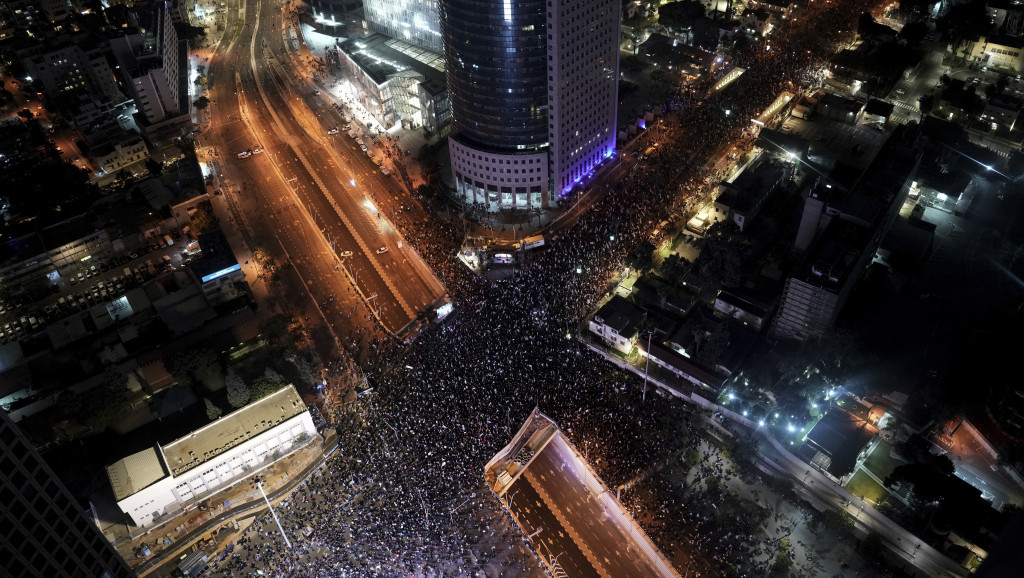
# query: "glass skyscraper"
(414, 21)
(533, 87)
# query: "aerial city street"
(425, 288)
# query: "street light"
(273, 513)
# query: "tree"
(871, 548)
(963, 22)
(262, 387)
(201, 103)
(274, 376)
(212, 412)
(836, 520)
(154, 167)
(642, 256)
(191, 364)
(307, 368)
(26, 114)
(238, 391)
(720, 263)
(204, 220)
(782, 563)
(673, 268)
(680, 14)
(865, 24)
(914, 32)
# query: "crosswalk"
(905, 106)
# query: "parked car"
(382, 250)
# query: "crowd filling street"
(404, 494)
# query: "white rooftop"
(205, 443)
(135, 472)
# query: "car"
(900, 91)
(346, 253)
(363, 147)
(333, 131)
(347, 127)
(256, 150)
(244, 154)
(382, 250)
(385, 172)
(133, 255)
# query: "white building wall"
(583, 80)
(499, 180)
(243, 460)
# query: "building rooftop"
(207, 442)
(746, 300)
(620, 315)
(841, 436)
(835, 255)
(136, 472)
(879, 108)
(381, 57)
(682, 364)
(218, 259)
(752, 184)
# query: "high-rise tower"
(46, 533)
(533, 87)
(414, 21)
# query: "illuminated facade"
(414, 21)
(533, 88)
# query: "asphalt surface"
(310, 190)
(559, 476)
(552, 541)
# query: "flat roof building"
(162, 480)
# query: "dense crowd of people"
(442, 406)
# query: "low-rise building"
(397, 82)
(756, 22)
(678, 365)
(217, 271)
(164, 480)
(747, 307)
(617, 323)
(997, 51)
(839, 108)
(119, 154)
(1002, 110)
(741, 200)
(877, 111)
(783, 8)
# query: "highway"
(308, 189)
(611, 542)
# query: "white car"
(382, 250)
(346, 253)
(257, 150)
(244, 154)
(333, 131)
(385, 172)
(364, 148)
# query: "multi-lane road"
(312, 191)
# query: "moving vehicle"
(346, 253)
(333, 131)
(244, 154)
(382, 250)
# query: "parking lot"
(93, 282)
